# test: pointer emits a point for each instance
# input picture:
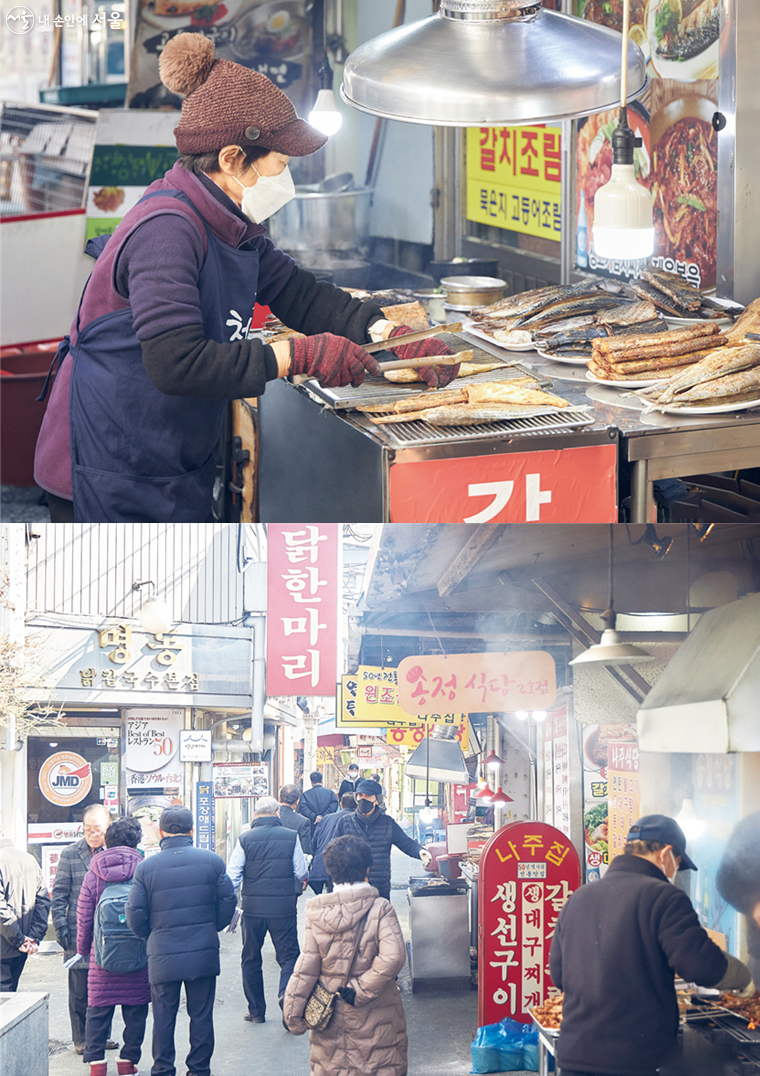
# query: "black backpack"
(117, 949)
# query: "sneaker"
(253, 1019)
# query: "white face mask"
(267, 195)
(672, 877)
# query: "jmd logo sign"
(65, 778)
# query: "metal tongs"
(411, 338)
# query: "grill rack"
(418, 432)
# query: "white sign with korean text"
(195, 745)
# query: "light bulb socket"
(623, 140)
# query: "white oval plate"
(469, 326)
(582, 361)
(621, 384)
(679, 323)
(718, 409)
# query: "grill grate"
(422, 433)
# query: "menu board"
(596, 741)
(677, 160)
(557, 771)
(528, 870)
(514, 178)
(624, 792)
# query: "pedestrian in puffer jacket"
(319, 879)
(107, 989)
(367, 1033)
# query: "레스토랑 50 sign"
(528, 870)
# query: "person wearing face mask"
(160, 341)
(380, 831)
(617, 946)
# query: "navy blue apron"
(137, 454)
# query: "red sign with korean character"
(568, 485)
(302, 609)
(475, 683)
(527, 872)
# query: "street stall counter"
(440, 945)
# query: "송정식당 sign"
(302, 609)
(527, 872)
(474, 683)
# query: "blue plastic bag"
(530, 1048)
(498, 1047)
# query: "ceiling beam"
(468, 556)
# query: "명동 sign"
(302, 609)
(473, 683)
(527, 872)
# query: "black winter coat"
(347, 786)
(73, 865)
(181, 898)
(617, 946)
(381, 832)
(293, 820)
(317, 801)
(24, 900)
(269, 889)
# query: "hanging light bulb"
(485, 794)
(689, 821)
(500, 798)
(521, 715)
(539, 715)
(325, 115)
(492, 761)
(623, 225)
(427, 814)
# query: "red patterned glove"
(332, 360)
(435, 377)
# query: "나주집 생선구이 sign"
(473, 683)
(527, 872)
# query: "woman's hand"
(332, 360)
(435, 377)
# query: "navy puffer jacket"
(381, 832)
(181, 898)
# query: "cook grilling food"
(161, 340)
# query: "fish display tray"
(410, 434)
(378, 390)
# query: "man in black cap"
(380, 831)
(180, 899)
(618, 944)
(317, 801)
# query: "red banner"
(302, 609)
(569, 485)
(527, 872)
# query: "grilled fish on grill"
(694, 34)
(468, 414)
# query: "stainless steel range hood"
(485, 62)
(708, 697)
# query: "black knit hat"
(175, 820)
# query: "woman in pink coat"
(367, 1034)
(117, 862)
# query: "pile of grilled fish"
(576, 338)
(470, 405)
(726, 375)
(676, 298)
(654, 356)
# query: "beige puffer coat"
(368, 1039)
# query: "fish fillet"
(523, 302)
(747, 322)
(730, 385)
(721, 361)
(467, 414)
(664, 362)
(614, 344)
(629, 314)
(676, 287)
(407, 377)
(512, 392)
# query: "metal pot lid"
(481, 63)
(473, 283)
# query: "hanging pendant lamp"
(611, 649)
(500, 798)
(478, 63)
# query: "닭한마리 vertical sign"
(527, 872)
(302, 609)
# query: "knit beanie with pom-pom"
(228, 104)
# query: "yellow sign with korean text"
(368, 699)
(414, 737)
(514, 180)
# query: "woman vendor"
(160, 341)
